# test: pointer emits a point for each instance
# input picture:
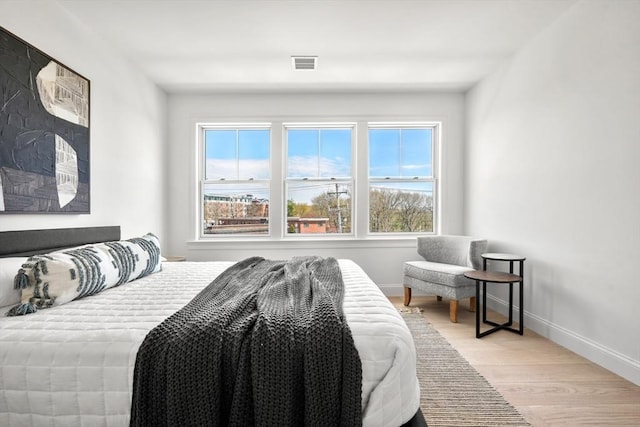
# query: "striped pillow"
(59, 277)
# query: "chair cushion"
(439, 273)
(459, 250)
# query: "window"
(234, 185)
(319, 184)
(317, 180)
(401, 178)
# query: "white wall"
(553, 173)
(382, 260)
(128, 131)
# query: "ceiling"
(231, 45)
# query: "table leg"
(521, 309)
(484, 302)
(477, 309)
(510, 304)
(521, 297)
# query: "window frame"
(433, 178)
(276, 184)
(202, 129)
(286, 181)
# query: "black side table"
(485, 277)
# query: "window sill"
(338, 243)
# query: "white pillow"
(8, 269)
(59, 277)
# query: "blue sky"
(319, 153)
(400, 153)
(313, 153)
(234, 155)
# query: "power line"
(338, 208)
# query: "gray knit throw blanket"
(265, 344)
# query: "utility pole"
(338, 208)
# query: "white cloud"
(228, 169)
(307, 166)
(411, 167)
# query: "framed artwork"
(44, 132)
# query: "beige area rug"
(452, 392)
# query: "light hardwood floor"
(548, 384)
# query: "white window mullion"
(200, 178)
(361, 184)
(277, 202)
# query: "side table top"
(503, 257)
(492, 276)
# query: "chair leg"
(407, 295)
(453, 311)
(472, 304)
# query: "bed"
(73, 364)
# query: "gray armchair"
(446, 259)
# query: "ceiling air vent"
(304, 62)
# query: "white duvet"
(72, 365)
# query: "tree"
(297, 209)
(382, 207)
(291, 206)
(333, 206)
(213, 211)
(412, 212)
(393, 210)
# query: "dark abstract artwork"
(44, 132)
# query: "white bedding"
(72, 365)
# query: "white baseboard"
(391, 290)
(612, 360)
(397, 290)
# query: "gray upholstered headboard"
(31, 242)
